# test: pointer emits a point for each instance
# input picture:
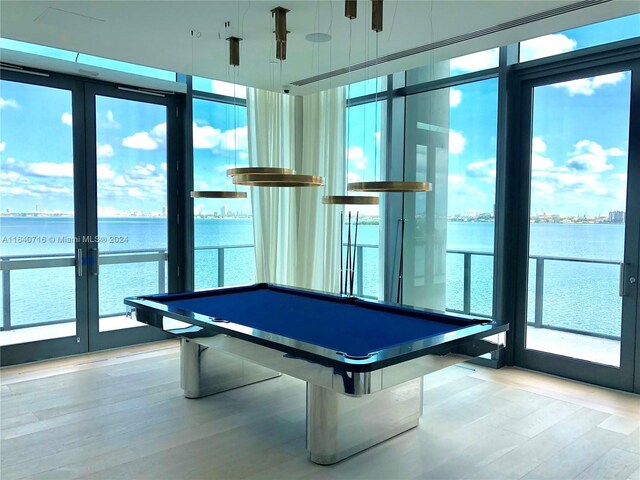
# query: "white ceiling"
(158, 33)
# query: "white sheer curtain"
(271, 139)
(296, 236)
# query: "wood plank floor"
(121, 415)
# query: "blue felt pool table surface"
(341, 324)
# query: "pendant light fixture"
(234, 61)
(351, 12)
(269, 176)
(385, 186)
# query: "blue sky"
(579, 157)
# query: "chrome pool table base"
(206, 371)
(338, 425)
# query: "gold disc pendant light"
(278, 180)
(385, 186)
(390, 186)
(351, 12)
(273, 176)
(350, 200)
(232, 172)
(234, 61)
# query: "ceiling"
(158, 33)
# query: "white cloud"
(111, 121)
(163, 166)
(456, 179)
(589, 156)
(355, 155)
(456, 142)
(8, 103)
(539, 163)
(7, 178)
(455, 97)
(546, 46)
(49, 189)
(484, 169)
(16, 191)
(588, 86)
(538, 145)
(612, 152)
(475, 61)
(353, 177)
(226, 88)
(120, 181)
(205, 137)
(3, 145)
(67, 118)
(50, 169)
(159, 132)
(140, 141)
(235, 139)
(135, 192)
(104, 151)
(104, 171)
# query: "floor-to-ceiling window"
(223, 228)
(449, 231)
(365, 140)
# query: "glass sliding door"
(583, 229)
(128, 244)
(42, 267)
(83, 213)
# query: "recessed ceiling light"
(318, 37)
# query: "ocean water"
(577, 295)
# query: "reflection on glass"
(367, 87)
(365, 158)
(473, 62)
(581, 37)
(223, 229)
(132, 204)
(578, 196)
(85, 59)
(219, 87)
(37, 213)
(449, 231)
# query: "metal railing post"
(467, 283)
(6, 299)
(359, 275)
(539, 292)
(220, 266)
(161, 274)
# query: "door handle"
(632, 280)
(79, 262)
(94, 261)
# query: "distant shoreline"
(364, 221)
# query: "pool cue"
(346, 272)
(401, 267)
(340, 246)
(355, 251)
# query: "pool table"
(363, 361)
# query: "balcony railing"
(159, 256)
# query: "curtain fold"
(271, 141)
(296, 236)
(323, 150)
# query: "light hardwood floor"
(121, 415)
